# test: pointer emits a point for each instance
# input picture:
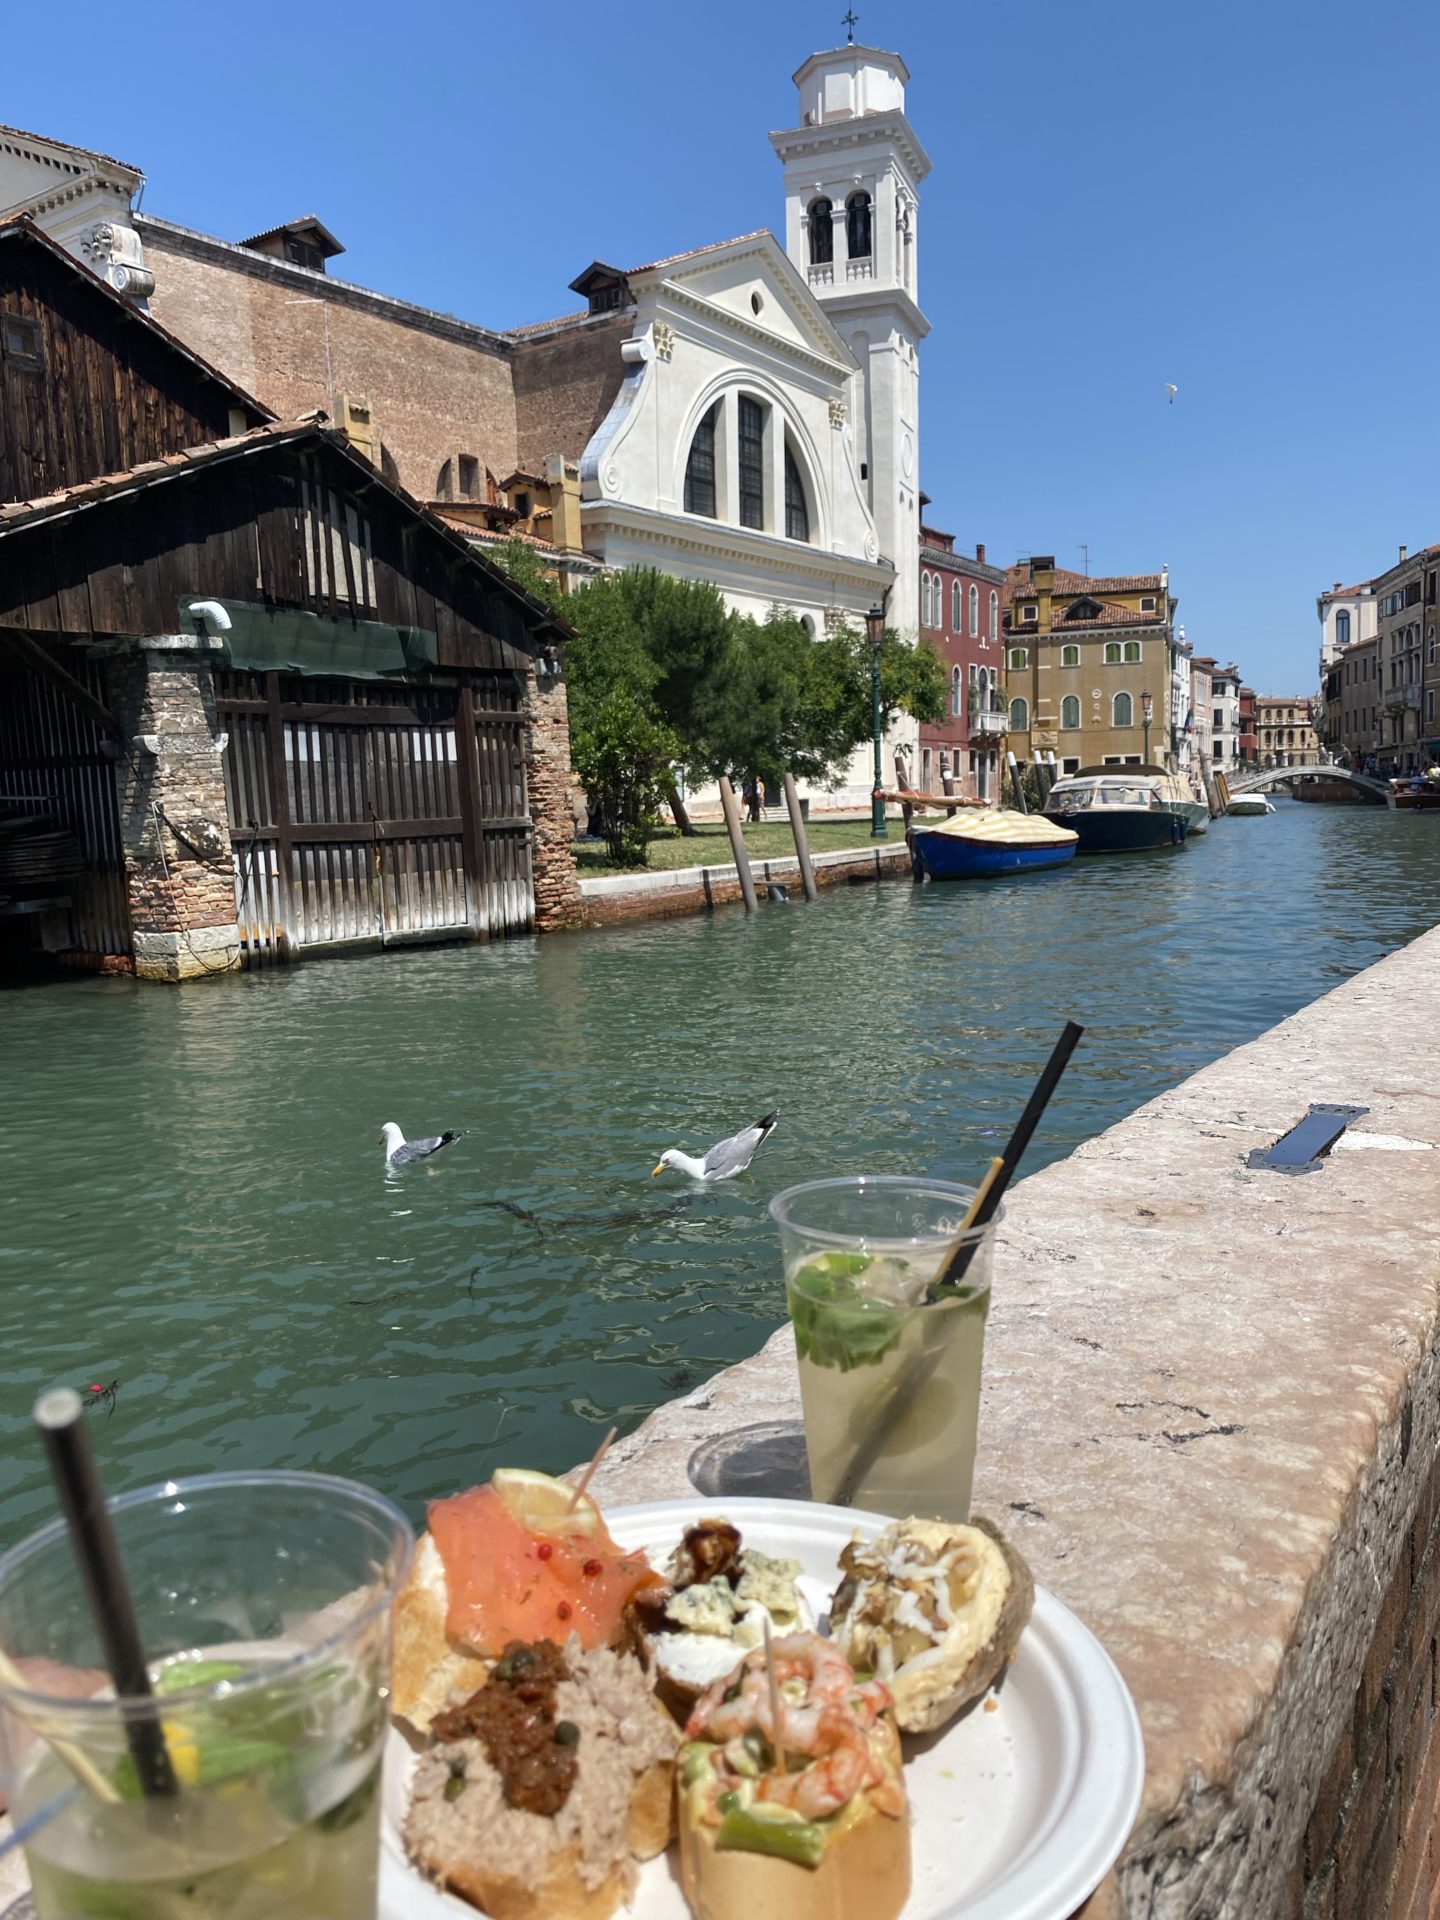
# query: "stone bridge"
(1281, 776)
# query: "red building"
(961, 601)
(1249, 750)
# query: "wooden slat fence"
(362, 811)
(52, 766)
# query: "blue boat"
(975, 846)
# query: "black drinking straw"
(957, 1264)
(61, 1420)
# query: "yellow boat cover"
(1002, 829)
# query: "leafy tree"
(624, 757)
(523, 564)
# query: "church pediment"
(754, 281)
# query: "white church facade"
(745, 413)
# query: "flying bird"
(725, 1159)
(400, 1152)
(1172, 391)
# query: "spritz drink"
(274, 1739)
(889, 1364)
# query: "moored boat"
(975, 845)
(1244, 803)
(1417, 792)
(1112, 809)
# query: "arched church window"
(974, 610)
(822, 233)
(797, 513)
(700, 468)
(925, 600)
(857, 226)
(994, 615)
(445, 481)
(752, 462)
(957, 618)
(955, 692)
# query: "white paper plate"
(1017, 1814)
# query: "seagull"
(725, 1159)
(1172, 391)
(400, 1152)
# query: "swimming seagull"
(725, 1159)
(400, 1152)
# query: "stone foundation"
(174, 828)
(619, 897)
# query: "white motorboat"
(1249, 803)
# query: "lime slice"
(544, 1505)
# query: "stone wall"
(1211, 1422)
(174, 829)
(436, 387)
(548, 781)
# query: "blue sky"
(1231, 197)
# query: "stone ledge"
(692, 889)
(1212, 1400)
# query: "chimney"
(979, 549)
(1403, 552)
(1336, 587)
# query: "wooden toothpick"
(782, 1765)
(589, 1474)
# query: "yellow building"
(1285, 730)
(1085, 661)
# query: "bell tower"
(853, 168)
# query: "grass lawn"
(767, 840)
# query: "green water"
(194, 1201)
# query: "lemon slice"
(543, 1505)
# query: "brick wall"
(549, 780)
(174, 828)
(564, 386)
(1369, 1851)
(436, 388)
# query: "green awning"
(281, 640)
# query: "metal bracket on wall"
(1308, 1141)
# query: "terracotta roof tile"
(543, 326)
(690, 253)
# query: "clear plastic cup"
(889, 1372)
(264, 1604)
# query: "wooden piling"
(737, 844)
(1015, 786)
(797, 827)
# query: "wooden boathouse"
(255, 701)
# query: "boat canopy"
(1002, 829)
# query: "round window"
(756, 302)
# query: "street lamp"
(1147, 713)
(875, 631)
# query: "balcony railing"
(989, 722)
(822, 274)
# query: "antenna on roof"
(1085, 549)
(848, 20)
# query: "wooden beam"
(50, 669)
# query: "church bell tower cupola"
(853, 169)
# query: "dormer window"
(857, 226)
(303, 254)
(822, 233)
(1030, 611)
(1147, 603)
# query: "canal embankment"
(1211, 1421)
(608, 899)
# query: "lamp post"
(875, 631)
(1147, 711)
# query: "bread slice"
(428, 1668)
(560, 1895)
(975, 1650)
(864, 1875)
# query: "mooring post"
(1015, 786)
(737, 844)
(797, 827)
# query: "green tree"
(523, 564)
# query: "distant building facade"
(1351, 725)
(1285, 730)
(1224, 716)
(1347, 615)
(1249, 743)
(1083, 658)
(960, 614)
(1405, 599)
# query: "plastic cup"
(889, 1378)
(264, 1608)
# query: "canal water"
(195, 1204)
